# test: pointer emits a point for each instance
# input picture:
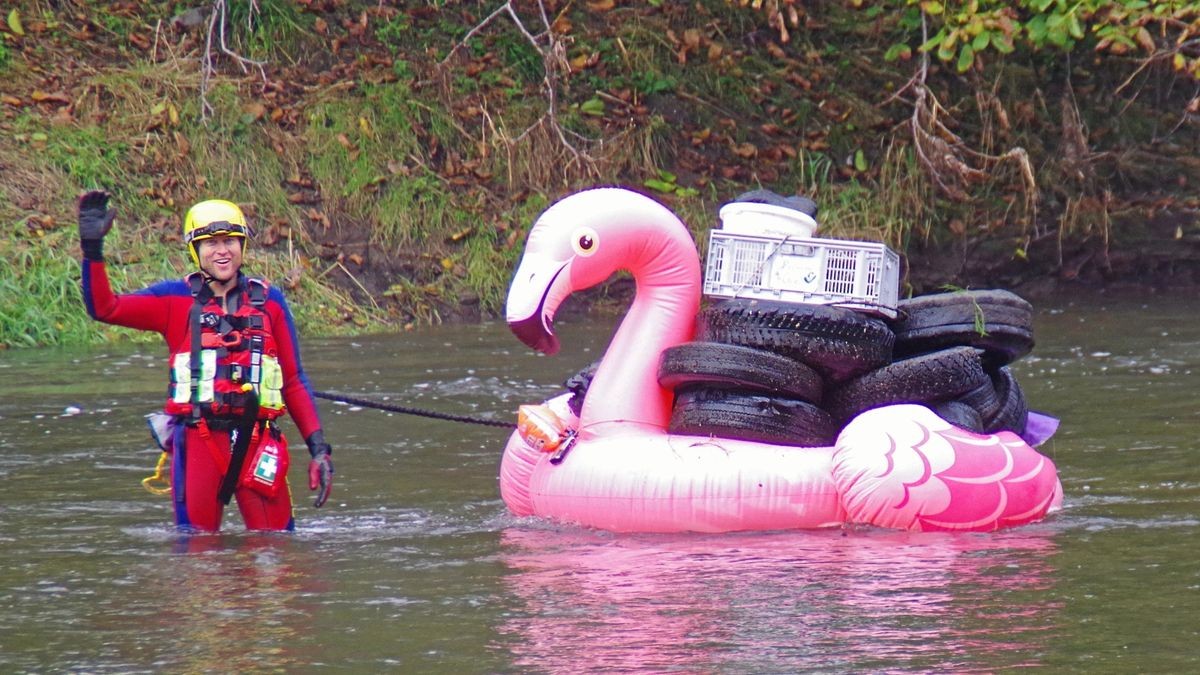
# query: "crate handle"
(761, 265)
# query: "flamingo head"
(577, 243)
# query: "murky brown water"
(415, 565)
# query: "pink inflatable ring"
(615, 466)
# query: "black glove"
(320, 469)
(95, 220)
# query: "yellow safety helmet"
(214, 218)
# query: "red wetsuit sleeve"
(162, 307)
(297, 392)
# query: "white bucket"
(766, 220)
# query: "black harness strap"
(257, 290)
(241, 445)
(201, 294)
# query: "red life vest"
(233, 355)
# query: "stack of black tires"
(795, 374)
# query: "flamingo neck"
(625, 388)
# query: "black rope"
(411, 411)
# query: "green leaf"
(667, 176)
(860, 160)
(966, 59)
(898, 51)
(933, 42)
(1036, 28)
(14, 23)
(1058, 37)
(659, 186)
(1074, 28)
(592, 106)
(981, 41)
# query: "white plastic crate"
(857, 275)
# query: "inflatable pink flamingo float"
(899, 466)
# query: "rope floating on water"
(412, 411)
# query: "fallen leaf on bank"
(799, 80)
(746, 150)
(268, 237)
(14, 23)
(351, 150)
(39, 96)
(579, 62)
(255, 110)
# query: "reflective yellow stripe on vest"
(181, 379)
(270, 388)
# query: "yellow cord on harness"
(149, 481)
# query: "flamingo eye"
(585, 241)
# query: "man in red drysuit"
(234, 364)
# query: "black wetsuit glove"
(320, 469)
(95, 220)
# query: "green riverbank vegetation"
(392, 155)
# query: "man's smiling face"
(220, 257)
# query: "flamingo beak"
(532, 300)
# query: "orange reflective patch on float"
(540, 427)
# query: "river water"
(415, 565)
